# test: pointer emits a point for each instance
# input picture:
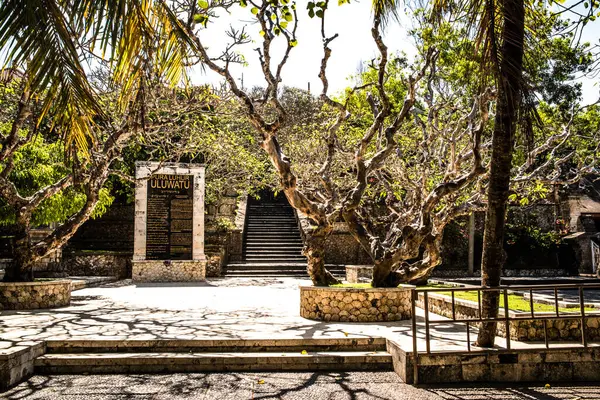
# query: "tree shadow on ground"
(508, 391)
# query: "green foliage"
(223, 224)
(38, 164)
(531, 238)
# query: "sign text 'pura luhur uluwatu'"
(169, 217)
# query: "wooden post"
(471, 244)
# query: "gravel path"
(287, 386)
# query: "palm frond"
(37, 37)
(45, 38)
(386, 10)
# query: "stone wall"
(522, 365)
(168, 271)
(97, 263)
(356, 305)
(524, 331)
(17, 362)
(35, 295)
(359, 273)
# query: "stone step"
(214, 345)
(271, 217)
(281, 226)
(297, 248)
(275, 260)
(273, 233)
(267, 274)
(273, 253)
(210, 362)
(276, 269)
(266, 243)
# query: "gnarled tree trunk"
(314, 250)
(20, 268)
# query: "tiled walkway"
(227, 308)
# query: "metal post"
(468, 338)
(556, 301)
(479, 303)
(415, 297)
(506, 320)
(453, 310)
(426, 304)
(472, 244)
(582, 309)
(531, 301)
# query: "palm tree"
(54, 41)
(500, 28)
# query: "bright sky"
(353, 23)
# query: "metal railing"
(508, 317)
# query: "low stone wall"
(34, 295)
(522, 365)
(17, 362)
(355, 305)
(97, 263)
(168, 271)
(523, 331)
(359, 273)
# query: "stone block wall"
(168, 271)
(17, 362)
(359, 273)
(523, 365)
(97, 264)
(35, 295)
(355, 305)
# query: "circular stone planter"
(34, 295)
(355, 305)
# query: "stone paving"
(234, 308)
(284, 386)
(224, 308)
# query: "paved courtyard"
(234, 308)
(240, 308)
(285, 386)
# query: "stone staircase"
(272, 241)
(167, 356)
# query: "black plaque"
(169, 217)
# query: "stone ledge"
(359, 273)
(35, 295)
(17, 362)
(169, 270)
(356, 304)
(530, 365)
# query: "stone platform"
(232, 309)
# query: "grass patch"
(515, 302)
(352, 285)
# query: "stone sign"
(169, 222)
(169, 217)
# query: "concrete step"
(273, 235)
(258, 244)
(277, 254)
(267, 267)
(120, 363)
(214, 345)
(274, 260)
(252, 241)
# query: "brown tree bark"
(20, 268)
(314, 250)
(509, 98)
